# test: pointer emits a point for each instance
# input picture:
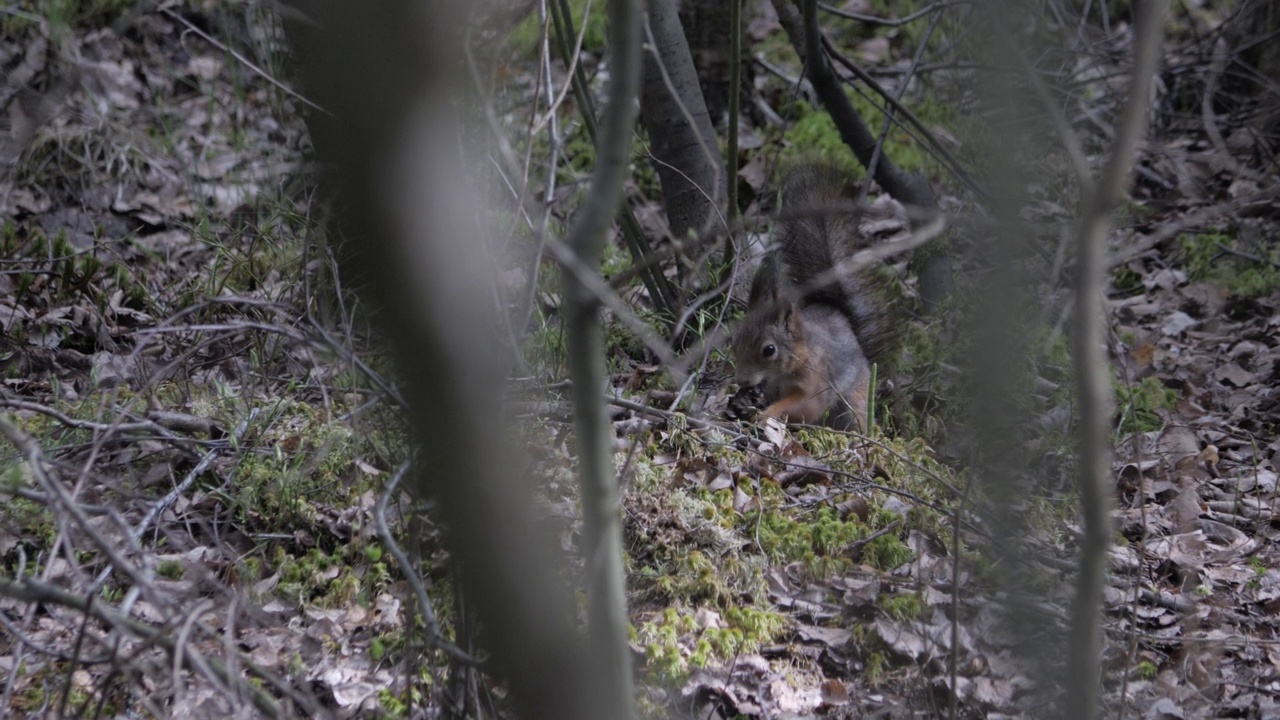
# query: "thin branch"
(1084, 643)
(65, 503)
(918, 130)
(889, 119)
(243, 60)
(584, 339)
(937, 7)
(412, 574)
(172, 496)
(907, 189)
(31, 590)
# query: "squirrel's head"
(765, 344)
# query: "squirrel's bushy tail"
(817, 204)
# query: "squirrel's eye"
(768, 351)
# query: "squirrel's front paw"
(745, 403)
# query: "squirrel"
(812, 329)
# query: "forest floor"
(201, 445)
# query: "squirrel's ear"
(790, 319)
(783, 307)
(787, 314)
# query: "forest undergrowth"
(204, 444)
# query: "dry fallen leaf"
(834, 693)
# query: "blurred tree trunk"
(997, 340)
(385, 72)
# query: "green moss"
(342, 591)
(674, 644)
(83, 13)
(313, 462)
(1126, 280)
(1145, 670)
(902, 608)
(171, 569)
(877, 666)
(32, 521)
(580, 151)
(376, 579)
(887, 552)
(12, 476)
(526, 39)
(815, 135)
(757, 626)
(1220, 258)
(1142, 407)
(390, 703)
(817, 542)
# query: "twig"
(31, 590)
(922, 133)
(412, 574)
(1084, 641)
(857, 545)
(172, 496)
(106, 428)
(669, 415)
(602, 548)
(1217, 65)
(937, 7)
(63, 501)
(576, 55)
(603, 294)
(243, 60)
(889, 119)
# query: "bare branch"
(584, 340)
(1083, 648)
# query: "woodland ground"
(203, 442)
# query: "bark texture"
(686, 154)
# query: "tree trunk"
(683, 142)
(707, 26)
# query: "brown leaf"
(1143, 355)
(834, 693)
(856, 506)
(1233, 374)
(831, 637)
(804, 470)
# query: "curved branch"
(904, 187)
